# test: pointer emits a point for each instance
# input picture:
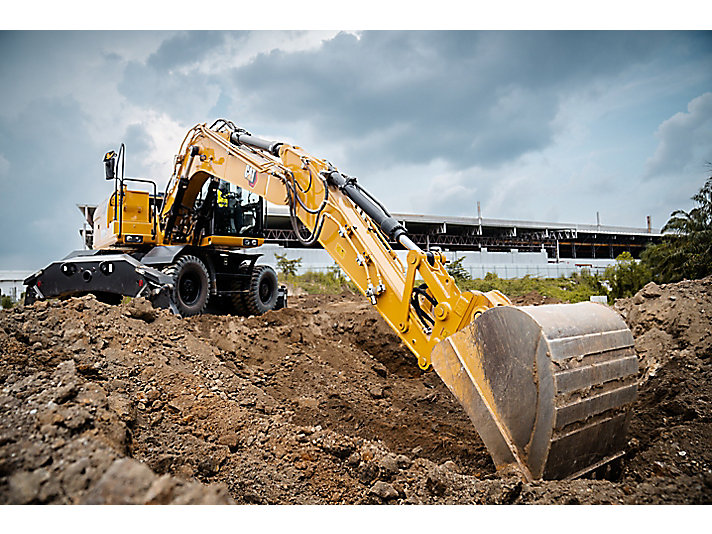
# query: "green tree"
(686, 249)
(286, 266)
(626, 277)
(457, 271)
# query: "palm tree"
(686, 249)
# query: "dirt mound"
(672, 428)
(318, 403)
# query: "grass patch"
(332, 282)
(576, 288)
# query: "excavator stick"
(548, 388)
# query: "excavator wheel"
(548, 388)
(262, 290)
(191, 285)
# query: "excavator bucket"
(548, 388)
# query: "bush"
(6, 302)
(626, 277)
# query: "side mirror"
(110, 165)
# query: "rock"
(152, 395)
(63, 393)
(123, 407)
(125, 482)
(376, 392)
(49, 415)
(437, 482)
(388, 465)
(368, 472)
(161, 491)
(651, 290)
(50, 488)
(66, 370)
(451, 466)
(37, 455)
(73, 330)
(24, 486)
(210, 465)
(384, 490)
(354, 459)
(229, 439)
(403, 461)
(118, 437)
(92, 395)
(337, 445)
(380, 369)
(141, 309)
(76, 477)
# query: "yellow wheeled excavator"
(548, 388)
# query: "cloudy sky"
(550, 126)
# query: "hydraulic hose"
(389, 225)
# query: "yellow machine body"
(128, 226)
(134, 225)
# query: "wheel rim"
(189, 288)
(265, 291)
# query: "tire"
(191, 285)
(262, 291)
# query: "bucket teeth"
(548, 388)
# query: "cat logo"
(250, 175)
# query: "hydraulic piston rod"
(241, 137)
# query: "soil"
(315, 404)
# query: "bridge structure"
(559, 240)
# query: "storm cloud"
(467, 97)
(537, 125)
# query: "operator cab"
(221, 215)
(237, 212)
(230, 216)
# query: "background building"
(11, 283)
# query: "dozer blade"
(548, 388)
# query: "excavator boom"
(549, 389)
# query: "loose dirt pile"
(318, 403)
